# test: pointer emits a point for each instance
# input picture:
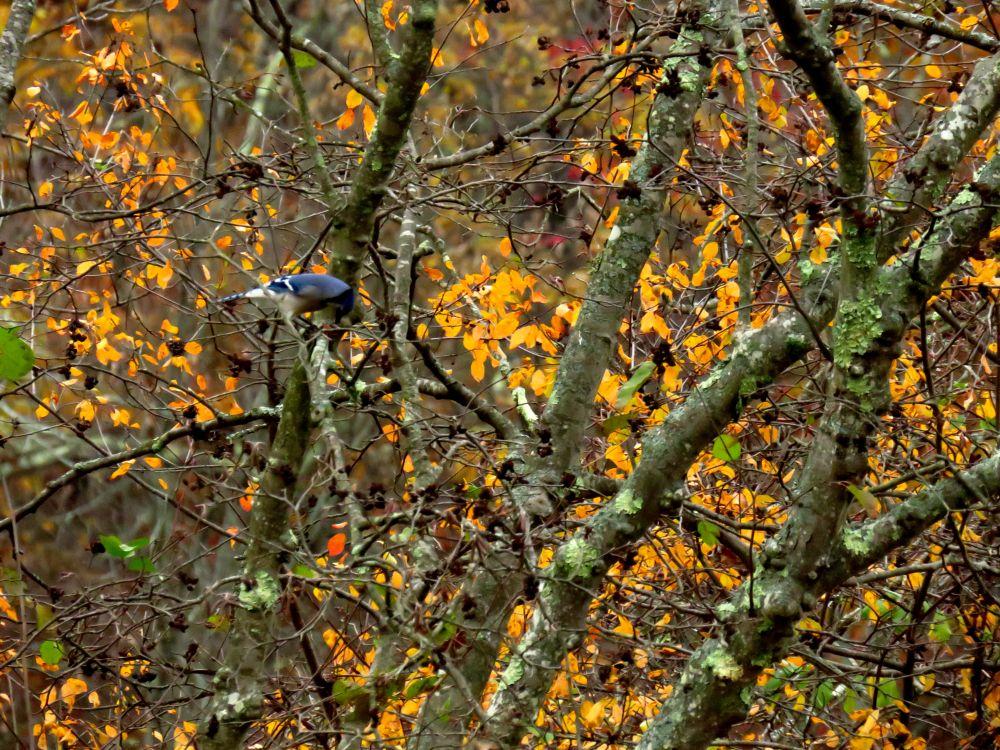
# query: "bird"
(300, 293)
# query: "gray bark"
(11, 48)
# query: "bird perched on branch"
(303, 292)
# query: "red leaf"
(335, 544)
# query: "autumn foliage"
(666, 417)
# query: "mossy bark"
(11, 46)
(241, 684)
(495, 587)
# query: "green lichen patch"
(513, 673)
(859, 251)
(855, 541)
(262, 594)
(628, 502)
(723, 664)
(578, 558)
(856, 328)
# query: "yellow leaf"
(85, 411)
(507, 325)
(386, 15)
(83, 268)
(45, 189)
(368, 116)
(72, 688)
(353, 98)
(123, 469)
(482, 33)
(625, 628)
(106, 353)
(345, 120)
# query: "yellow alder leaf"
(505, 327)
(482, 33)
(82, 114)
(505, 247)
(45, 189)
(58, 233)
(83, 268)
(386, 17)
(625, 628)
(345, 120)
(72, 688)
(154, 462)
(85, 411)
(478, 370)
(368, 116)
(106, 353)
(123, 469)
(592, 713)
(933, 71)
(353, 98)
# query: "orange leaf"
(122, 469)
(369, 120)
(335, 544)
(345, 120)
(170, 5)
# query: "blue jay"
(302, 293)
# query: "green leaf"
(16, 357)
(614, 423)
(112, 545)
(823, 694)
(11, 582)
(708, 532)
(941, 629)
(444, 632)
(303, 60)
(43, 615)
(218, 622)
(141, 565)
(122, 550)
(887, 693)
(865, 498)
(726, 448)
(135, 545)
(634, 383)
(52, 652)
(421, 685)
(344, 691)
(304, 571)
